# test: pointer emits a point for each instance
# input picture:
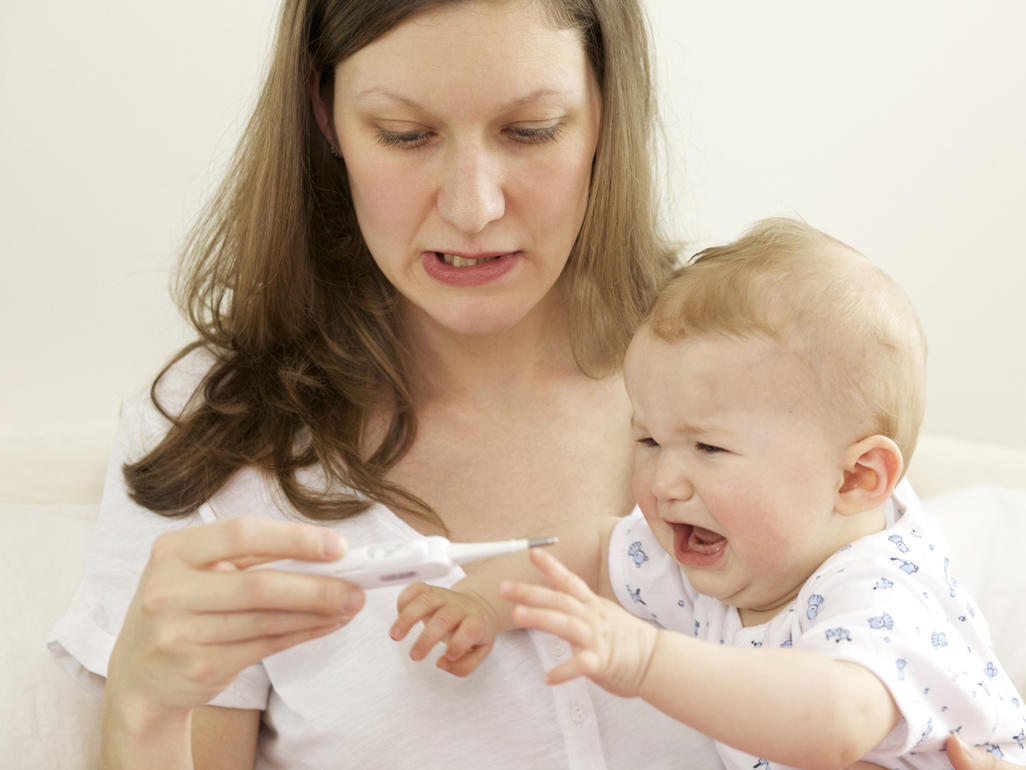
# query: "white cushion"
(49, 721)
(986, 528)
(944, 463)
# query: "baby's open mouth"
(697, 546)
(702, 538)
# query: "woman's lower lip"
(484, 272)
(687, 556)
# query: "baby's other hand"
(464, 620)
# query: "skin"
(493, 374)
(729, 439)
(198, 618)
(963, 757)
(439, 164)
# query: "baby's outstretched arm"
(787, 705)
(469, 616)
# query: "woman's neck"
(446, 365)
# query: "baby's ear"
(872, 467)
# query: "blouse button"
(578, 713)
(559, 648)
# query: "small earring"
(334, 150)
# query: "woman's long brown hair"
(282, 290)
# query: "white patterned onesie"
(887, 602)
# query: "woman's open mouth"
(462, 270)
(457, 261)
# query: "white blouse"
(354, 698)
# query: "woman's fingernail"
(352, 602)
(332, 545)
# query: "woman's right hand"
(199, 617)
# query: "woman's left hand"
(961, 757)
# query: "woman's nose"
(670, 480)
(470, 195)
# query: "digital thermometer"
(404, 561)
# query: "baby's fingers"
(584, 663)
(571, 628)
(464, 664)
(416, 602)
(470, 635)
(559, 576)
(440, 627)
(540, 597)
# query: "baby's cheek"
(661, 530)
(640, 485)
(764, 549)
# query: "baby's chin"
(755, 601)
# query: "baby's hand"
(466, 621)
(611, 647)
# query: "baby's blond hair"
(849, 321)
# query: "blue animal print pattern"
(813, 606)
(637, 554)
(884, 621)
(889, 602)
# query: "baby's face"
(737, 465)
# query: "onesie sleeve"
(889, 604)
(646, 580)
(82, 639)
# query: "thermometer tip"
(534, 542)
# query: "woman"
(412, 294)
(963, 757)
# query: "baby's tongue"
(703, 539)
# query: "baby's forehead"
(649, 342)
(734, 362)
(720, 362)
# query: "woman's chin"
(478, 319)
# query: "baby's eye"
(405, 139)
(647, 441)
(535, 135)
(708, 449)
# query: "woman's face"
(468, 134)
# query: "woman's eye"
(406, 139)
(535, 135)
(648, 441)
(708, 449)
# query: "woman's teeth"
(456, 261)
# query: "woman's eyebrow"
(381, 92)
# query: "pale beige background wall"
(897, 126)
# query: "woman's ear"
(322, 109)
(872, 467)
